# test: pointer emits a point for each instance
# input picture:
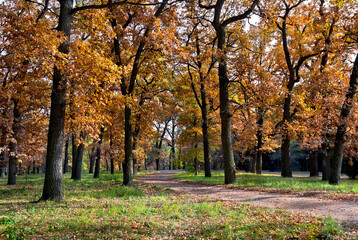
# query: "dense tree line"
(122, 81)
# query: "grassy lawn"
(103, 208)
(277, 183)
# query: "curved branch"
(193, 87)
(111, 4)
(206, 6)
(299, 64)
(44, 10)
(241, 16)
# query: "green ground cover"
(104, 209)
(274, 182)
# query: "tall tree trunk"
(326, 165)
(128, 153)
(97, 168)
(13, 144)
(286, 170)
(204, 115)
(74, 156)
(225, 115)
(313, 164)
(78, 162)
(112, 163)
(2, 143)
(53, 173)
(203, 107)
(172, 146)
(135, 158)
(33, 167)
(65, 161)
(52, 189)
(293, 77)
(226, 139)
(92, 157)
(2, 163)
(157, 158)
(336, 166)
(127, 89)
(259, 162)
(135, 138)
(172, 155)
(196, 162)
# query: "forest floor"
(344, 211)
(102, 208)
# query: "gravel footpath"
(343, 211)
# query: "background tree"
(220, 23)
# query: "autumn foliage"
(138, 77)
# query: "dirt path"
(345, 211)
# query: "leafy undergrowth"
(104, 209)
(307, 186)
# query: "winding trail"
(343, 211)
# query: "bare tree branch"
(111, 4)
(44, 10)
(206, 6)
(241, 16)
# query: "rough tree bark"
(74, 156)
(135, 138)
(34, 167)
(293, 77)
(326, 164)
(226, 139)
(52, 189)
(92, 156)
(202, 103)
(128, 148)
(172, 149)
(2, 164)
(79, 158)
(286, 170)
(313, 164)
(127, 88)
(13, 144)
(3, 132)
(225, 115)
(204, 127)
(111, 155)
(336, 164)
(65, 161)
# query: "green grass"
(103, 208)
(266, 181)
